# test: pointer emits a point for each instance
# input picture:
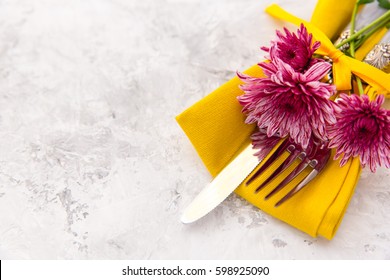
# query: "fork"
(314, 158)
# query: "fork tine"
(279, 151)
(318, 164)
(302, 156)
(294, 153)
(301, 185)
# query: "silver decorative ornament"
(344, 36)
(379, 57)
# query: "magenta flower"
(287, 102)
(294, 49)
(362, 129)
(263, 143)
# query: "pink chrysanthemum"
(263, 144)
(362, 129)
(294, 49)
(287, 102)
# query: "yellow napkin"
(215, 126)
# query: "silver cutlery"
(312, 159)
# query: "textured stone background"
(92, 163)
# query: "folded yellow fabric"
(331, 16)
(215, 126)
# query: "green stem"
(352, 46)
(352, 30)
(360, 85)
(369, 34)
(375, 25)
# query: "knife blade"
(222, 185)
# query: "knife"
(222, 185)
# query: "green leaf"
(362, 2)
(384, 4)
